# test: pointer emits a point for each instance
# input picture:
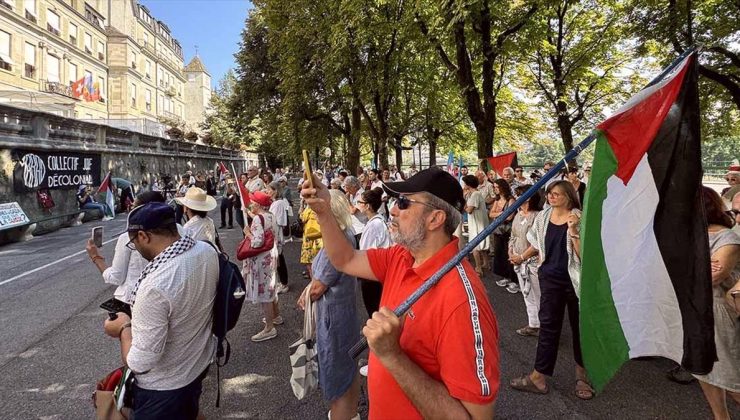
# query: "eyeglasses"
(361, 202)
(733, 212)
(130, 244)
(730, 179)
(404, 202)
(554, 194)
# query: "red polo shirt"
(450, 332)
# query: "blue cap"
(150, 216)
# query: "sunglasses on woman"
(404, 202)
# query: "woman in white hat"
(196, 205)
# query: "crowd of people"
(383, 233)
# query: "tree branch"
(436, 43)
(726, 82)
(734, 58)
(501, 38)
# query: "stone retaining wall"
(129, 155)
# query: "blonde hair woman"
(336, 324)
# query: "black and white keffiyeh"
(178, 247)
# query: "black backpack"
(227, 307)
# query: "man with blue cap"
(167, 342)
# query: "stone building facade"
(46, 45)
(146, 65)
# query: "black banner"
(36, 169)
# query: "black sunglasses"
(404, 202)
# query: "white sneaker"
(264, 335)
(503, 282)
(512, 288)
(281, 288)
(106, 218)
(278, 320)
(363, 371)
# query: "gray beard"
(412, 241)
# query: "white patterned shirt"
(172, 342)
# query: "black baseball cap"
(434, 181)
(150, 216)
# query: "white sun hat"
(197, 199)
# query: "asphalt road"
(53, 350)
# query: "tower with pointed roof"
(197, 93)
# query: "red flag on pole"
(243, 191)
(222, 168)
(498, 163)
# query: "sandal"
(525, 384)
(528, 331)
(584, 394)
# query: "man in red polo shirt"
(440, 360)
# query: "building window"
(52, 68)
(148, 69)
(88, 78)
(72, 73)
(148, 100)
(101, 50)
(30, 9)
(101, 86)
(133, 60)
(7, 3)
(30, 60)
(146, 39)
(5, 62)
(73, 34)
(52, 22)
(88, 43)
(133, 95)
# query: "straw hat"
(197, 199)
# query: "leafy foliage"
(369, 79)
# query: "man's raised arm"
(341, 253)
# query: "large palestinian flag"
(646, 282)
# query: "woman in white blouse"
(196, 205)
(127, 265)
(374, 235)
(280, 208)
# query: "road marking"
(50, 264)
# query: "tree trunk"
(484, 135)
(399, 153)
(352, 158)
(565, 126)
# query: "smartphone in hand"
(307, 168)
(97, 236)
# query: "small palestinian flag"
(107, 187)
(646, 285)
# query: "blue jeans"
(181, 403)
(94, 206)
